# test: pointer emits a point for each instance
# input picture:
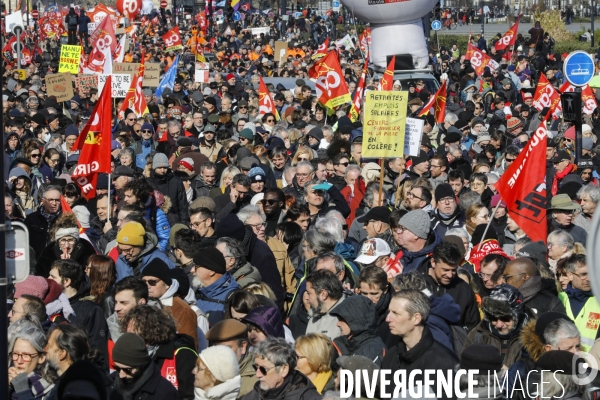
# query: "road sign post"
(571, 107)
(436, 26)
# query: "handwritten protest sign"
(84, 82)
(120, 84)
(60, 85)
(412, 136)
(69, 59)
(126, 68)
(384, 124)
(151, 75)
(202, 72)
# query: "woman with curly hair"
(66, 244)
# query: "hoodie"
(443, 313)
(135, 267)
(360, 315)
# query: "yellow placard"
(69, 59)
(22, 73)
(384, 124)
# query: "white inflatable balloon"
(147, 7)
(396, 27)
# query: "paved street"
(492, 29)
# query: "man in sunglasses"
(136, 376)
(340, 163)
(504, 315)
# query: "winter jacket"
(440, 224)
(427, 354)
(359, 313)
(443, 313)
(412, 259)
(295, 190)
(245, 274)
(38, 230)
(171, 186)
(339, 203)
(541, 296)
(201, 188)
(247, 374)
(83, 21)
(284, 265)
(30, 386)
(211, 299)
(98, 237)
(295, 386)
(160, 223)
(325, 323)
(150, 252)
(579, 234)
(155, 387)
(81, 252)
(224, 206)
(227, 390)
(180, 349)
(459, 290)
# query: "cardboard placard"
(281, 48)
(60, 85)
(257, 31)
(126, 68)
(412, 136)
(151, 75)
(202, 72)
(84, 82)
(384, 124)
(119, 84)
(69, 59)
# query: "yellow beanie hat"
(132, 234)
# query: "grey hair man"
(588, 196)
(235, 262)
(304, 173)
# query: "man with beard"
(325, 292)
(206, 180)
(41, 221)
(135, 375)
(447, 214)
(212, 282)
(273, 203)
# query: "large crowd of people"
(233, 253)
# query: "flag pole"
(489, 223)
(109, 209)
(381, 175)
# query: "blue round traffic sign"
(236, 16)
(578, 68)
(436, 25)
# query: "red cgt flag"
(509, 38)
(523, 187)
(358, 95)
(94, 144)
(387, 80)
(322, 50)
(172, 39)
(265, 102)
(480, 60)
(546, 96)
(438, 101)
(330, 84)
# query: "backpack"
(459, 337)
(72, 21)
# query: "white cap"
(372, 249)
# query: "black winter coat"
(171, 186)
(294, 387)
(82, 251)
(459, 290)
(155, 388)
(185, 362)
(38, 231)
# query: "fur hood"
(166, 205)
(531, 341)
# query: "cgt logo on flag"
(172, 40)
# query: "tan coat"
(284, 265)
(185, 318)
(249, 378)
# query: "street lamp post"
(482, 19)
(592, 20)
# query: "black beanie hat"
(546, 319)
(180, 276)
(159, 269)
(130, 349)
(483, 357)
(478, 234)
(232, 227)
(211, 259)
(443, 190)
(558, 361)
(422, 157)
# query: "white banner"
(120, 84)
(412, 136)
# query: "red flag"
(438, 101)
(139, 105)
(104, 36)
(66, 209)
(480, 60)
(94, 144)
(387, 80)
(265, 102)
(523, 187)
(173, 39)
(322, 50)
(547, 96)
(509, 38)
(358, 95)
(330, 84)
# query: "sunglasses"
(152, 282)
(345, 164)
(35, 155)
(146, 131)
(263, 370)
(128, 371)
(270, 202)
(270, 120)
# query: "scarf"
(147, 143)
(448, 220)
(321, 380)
(129, 394)
(577, 298)
(559, 176)
(531, 287)
(50, 218)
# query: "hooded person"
(357, 321)
(264, 322)
(163, 180)
(504, 316)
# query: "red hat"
(527, 95)
(54, 292)
(229, 76)
(514, 123)
(570, 133)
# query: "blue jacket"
(160, 223)
(444, 312)
(211, 299)
(149, 253)
(411, 260)
(83, 21)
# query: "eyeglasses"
(411, 195)
(567, 139)
(302, 175)
(128, 370)
(345, 164)
(35, 155)
(263, 370)
(244, 107)
(152, 282)
(52, 200)
(303, 159)
(484, 276)
(270, 120)
(446, 200)
(130, 119)
(197, 224)
(67, 240)
(583, 276)
(55, 160)
(318, 192)
(259, 226)
(509, 160)
(25, 356)
(137, 131)
(503, 319)
(146, 131)
(435, 166)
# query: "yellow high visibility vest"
(587, 321)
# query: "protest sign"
(346, 41)
(412, 136)
(120, 84)
(22, 73)
(84, 82)
(91, 27)
(60, 85)
(151, 75)
(202, 72)
(280, 50)
(69, 59)
(384, 124)
(126, 68)
(257, 31)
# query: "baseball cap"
(372, 249)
